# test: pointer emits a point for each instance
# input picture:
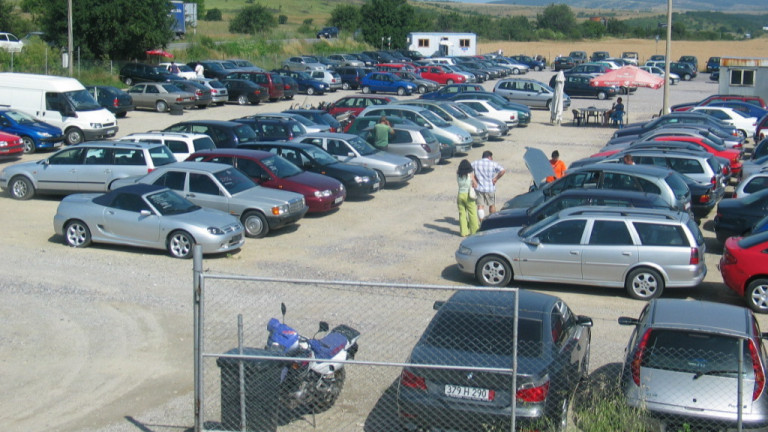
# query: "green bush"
(213, 15)
(282, 19)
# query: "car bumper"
(231, 242)
(466, 263)
(325, 204)
(355, 189)
(13, 150)
(733, 277)
(400, 177)
(220, 98)
(427, 162)
(480, 138)
(280, 221)
(94, 134)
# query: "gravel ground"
(101, 338)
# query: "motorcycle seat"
(328, 346)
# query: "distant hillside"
(645, 5)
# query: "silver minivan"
(354, 150)
(416, 143)
(528, 91)
(448, 112)
(460, 138)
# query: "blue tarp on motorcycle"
(328, 346)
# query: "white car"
(181, 144)
(493, 110)
(185, 71)
(755, 182)
(655, 70)
(744, 125)
(10, 42)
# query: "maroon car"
(357, 103)
(321, 192)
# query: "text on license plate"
(473, 393)
(338, 200)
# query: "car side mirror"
(533, 241)
(628, 321)
(323, 327)
(438, 304)
(584, 321)
(145, 213)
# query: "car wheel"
(29, 144)
(242, 100)
(77, 234)
(741, 133)
(255, 224)
(549, 103)
(382, 179)
(687, 77)
(601, 95)
(121, 115)
(400, 91)
(449, 82)
(757, 295)
(286, 68)
(538, 68)
(515, 71)
(345, 86)
(180, 244)
(74, 136)
(161, 106)
(366, 89)
(644, 284)
(416, 163)
(128, 81)
(422, 89)
(310, 91)
(21, 188)
(493, 270)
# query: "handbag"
(472, 194)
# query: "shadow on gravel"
(156, 427)
(383, 416)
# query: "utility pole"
(70, 43)
(667, 58)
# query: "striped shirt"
(485, 171)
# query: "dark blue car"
(306, 83)
(532, 63)
(35, 134)
(385, 82)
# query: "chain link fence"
(430, 358)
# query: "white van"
(60, 101)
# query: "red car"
(744, 270)
(356, 104)
(437, 73)
(321, 192)
(10, 145)
(754, 100)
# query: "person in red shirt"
(557, 165)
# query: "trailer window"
(743, 77)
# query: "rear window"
(161, 155)
(204, 144)
(697, 353)
(678, 186)
(656, 234)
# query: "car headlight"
(215, 231)
(97, 125)
(3, 143)
(45, 135)
(362, 179)
(465, 250)
(281, 209)
(323, 193)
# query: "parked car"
(10, 146)
(423, 85)
(523, 111)
(354, 150)
(440, 74)
(386, 82)
(133, 73)
(416, 143)
(113, 99)
(181, 144)
(531, 62)
(219, 92)
(146, 216)
(578, 85)
(331, 78)
(305, 83)
(446, 91)
(691, 60)
(223, 187)
(225, 134)
(640, 250)
(302, 63)
(520, 217)
(736, 216)
(92, 166)
(203, 95)
(10, 43)
(744, 125)
(751, 184)
(346, 60)
(34, 134)
(357, 180)
(713, 64)
(309, 125)
(592, 69)
(160, 96)
(321, 193)
(328, 32)
(473, 328)
(743, 269)
(290, 85)
(599, 55)
(755, 100)
(659, 72)
(578, 56)
(750, 110)
(448, 111)
(264, 79)
(184, 71)
(631, 57)
(317, 116)
(357, 103)
(682, 363)
(673, 119)
(351, 76)
(273, 129)
(563, 63)
(245, 92)
(528, 91)
(497, 129)
(244, 64)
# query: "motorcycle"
(306, 384)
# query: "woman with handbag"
(465, 176)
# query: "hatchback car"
(692, 364)
(302, 63)
(756, 182)
(225, 134)
(113, 99)
(133, 73)
(578, 85)
(87, 167)
(181, 144)
(219, 92)
(563, 63)
(203, 95)
(11, 145)
(743, 269)
(640, 250)
(267, 80)
(527, 91)
(416, 143)
(161, 96)
(351, 76)
(475, 329)
(245, 92)
(330, 78)
(305, 83)
(34, 134)
(386, 82)
(273, 129)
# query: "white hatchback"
(746, 126)
(10, 42)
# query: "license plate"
(58, 144)
(236, 238)
(338, 200)
(472, 393)
(376, 186)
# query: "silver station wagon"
(641, 250)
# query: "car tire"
(756, 295)
(29, 144)
(416, 163)
(538, 68)
(21, 188)
(242, 100)
(601, 95)
(366, 90)
(310, 91)
(644, 284)
(742, 134)
(422, 89)
(687, 77)
(401, 91)
(345, 86)
(161, 106)
(180, 244)
(255, 223)
(74, 136)
(121, 115)
(449, 82)
(515, 71)
(493, 270)
(128, 81)
(77, 234)
(382, 179)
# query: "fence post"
(197, 274)
(740, 386)
(513, 393)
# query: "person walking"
(382, 131)
(557, 165)
(200, 70)
(487, 173)
(465, 177)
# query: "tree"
(253, 19)
(346, 17)
(387, 19)
(593, 29)
(557, 17)
(117, 29)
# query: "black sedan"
(672, 119)
(564, 63)
(359, 181)
(472, 335)
(113, 99)
(245, 92)
(578, 85)
(737, 216)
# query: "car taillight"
(426, 148)
(738, 146)
(757, 365)
(533, 394)
(179, 99)
(728, 257)
(694, 256)
(713, 181)
(115, 102)
(409, 379)
(705, 198)
(199, 93)
(638, 358)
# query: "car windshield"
(161, 155)
(234, 181)
(434, 119)
(81, 100)
(677, 184)
(469, 110)
(311, 59)
(454, 112)
(20, 117)
(525, 232)
(320, 156)
(281, 167)
(205, 143)
(168, 202)
(362, 146)
(481, 331)
(245, 133)
(302, 75)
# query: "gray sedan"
(146, 216)
(303, 63)
(160, 96)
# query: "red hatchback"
(356, 104)
(321, 192)
(437, 73)
(744, 270)
(10, 145)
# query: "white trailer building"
(744, 76)
(443, 44)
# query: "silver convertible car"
(146, 216)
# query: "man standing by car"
(557, 165)
(382, 132)
(487, 173)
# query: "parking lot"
(101, 338)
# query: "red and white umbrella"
(627, 77)
(159, 52)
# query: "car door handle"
(190, 195)
(110, 212)
(574, 252)
(627, 253)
